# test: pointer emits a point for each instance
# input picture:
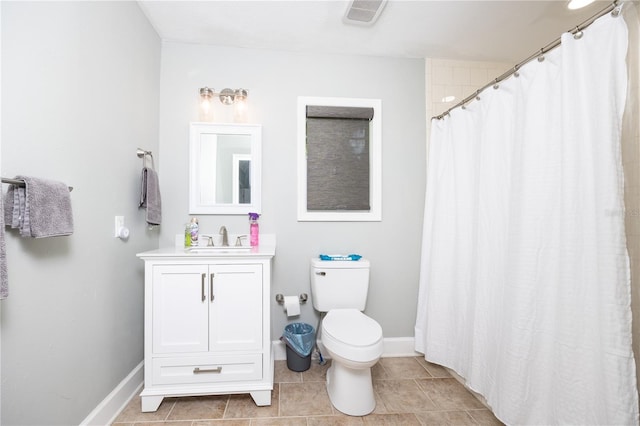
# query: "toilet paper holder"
(280, 298)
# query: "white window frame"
(375, 162)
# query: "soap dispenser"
(194, 229)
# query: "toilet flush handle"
(321, 273)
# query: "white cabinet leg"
(261, 398)
(151, 403)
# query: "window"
(339, 159)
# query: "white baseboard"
(399, 346)
(393, 347)
(106, 412)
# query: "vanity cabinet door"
(180, 309)
(235, 315)
(203, 308)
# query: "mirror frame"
(255, 132)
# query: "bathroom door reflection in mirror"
(225, 164)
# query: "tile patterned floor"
(409, 391)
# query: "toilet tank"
(339, 284)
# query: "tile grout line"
(226, 406)
(170, 410)
(472, 418)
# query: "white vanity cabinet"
(207, 328)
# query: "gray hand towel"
(9, 213)
(150, 196)
(15, 210)
(41, 209)
(23, 212)
(4, 281)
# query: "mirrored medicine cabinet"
(225, 162)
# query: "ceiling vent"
(364, 12)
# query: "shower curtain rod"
(577, 32)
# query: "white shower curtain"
(524, 286)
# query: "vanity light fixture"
(227, 96)
(237, 98)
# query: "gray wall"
(275, 80)
(79, 93)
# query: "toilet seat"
(352, 335)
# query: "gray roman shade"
(338, 158)
(353, 113)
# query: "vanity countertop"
(267, 248)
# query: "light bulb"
(240, 106)
(206, 112)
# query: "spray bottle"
(254, 230)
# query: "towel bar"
(20, 182)
(141, 153)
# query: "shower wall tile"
(440, 107)
(427, 95)
(438, 92)
(461, 76)
(631, 175)
(630, 152)
(633, 247)
(632, 224)
(478, 77)
(468, 90)
(443, 75)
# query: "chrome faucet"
(225, 236)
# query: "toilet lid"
(352, 327)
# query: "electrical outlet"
(119, 225)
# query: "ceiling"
(506, 31)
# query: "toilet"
(351, 339)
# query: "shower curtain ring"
(477, 95)
(516, 73)
(578, 34)
(615, 12)
(541, 56)
(496, 85)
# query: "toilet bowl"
(354, 343)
